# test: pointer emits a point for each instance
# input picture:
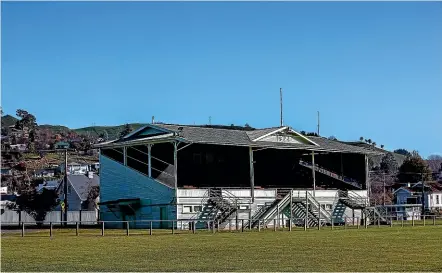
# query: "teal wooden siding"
(120, 182)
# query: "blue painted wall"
(118, 181)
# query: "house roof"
(82, 184)
(249, 137)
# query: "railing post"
(345, 222)
(434, 220)
(194, 227)
(150, 228)
(412, 220)
(290, 224)
(22, 229)
(76, 228)
(213, 227)
(50, 229)
(402, 221)
(332, 223)
(259, 226)
(424, 220)
(127, 228)
(102, 228)
(250, 224)
(217, 227)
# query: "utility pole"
(65, 187)
(423, 196)
(318, 123)
(280, 102)
(383, 196)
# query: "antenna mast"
(280, 102)
(318, 123)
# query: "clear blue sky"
(372, 69)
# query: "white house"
(79, 187)
(75, 168)
(411, 197)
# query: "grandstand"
(200, 173)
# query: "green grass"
(373, 249)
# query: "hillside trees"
(414, 169)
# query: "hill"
(8, 120)
(111, 131)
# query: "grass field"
(374, 249)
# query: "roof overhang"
(169, 137)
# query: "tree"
(369, 141)
(382, 146)
(94, 192)
(36, 204)
(247, 125)
(361, 138)
(332, 138)
(374, 144)
(402, 152)
(26, 120)
(414, 169)
(389, 164)
(127, 129)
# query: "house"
(61, 145)
(75, 168)
(44, 173)
(220, 174)
(49, 185)
(79, 187)
(411, 196)
(19, 147)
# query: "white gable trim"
(271, 133)
(401, 188)
(304, 137)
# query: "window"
(243, 207)
(197, 208)
(329, 206)
(437, 199)
(187, 209)
(322, 206)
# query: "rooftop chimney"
(153, 119)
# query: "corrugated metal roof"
(82, 184)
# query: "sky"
(372, 69)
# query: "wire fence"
(191, 226)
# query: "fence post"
(391, 221)
(50, 229)
(290, 224)
(366, 218)
(412, 220)
(424, 220)
(150, 228)
(379, 222)
(194, 227)
(76, 228)
(217, 226)
(230, 224)
(250, 224)
(127, 228)
(345, 222)
(102, 228)
(22, 229)
(434, 220)
(213, 227)
(274, 224)
(242, 225)
(332, 223)
(357, 222)
(402, 221)
(259, 226)
(173, 227)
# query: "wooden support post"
(402, 222)
(242, 225)
(50, 229)
(149, 159)
(366, 218)
(77, 227)
(150, 228)
(102, 228)
(358, 222)
(22, 229)
(250, 223)
(424, 220)
(319, 218)
(306, 211)
(175, 165)
(314, 173)
(332, 223)
(252, 175)
(194, 227)
(274, 224)
(391, 221)
(173, 227)
(127, 228)
(283, 221)
(213, 226)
